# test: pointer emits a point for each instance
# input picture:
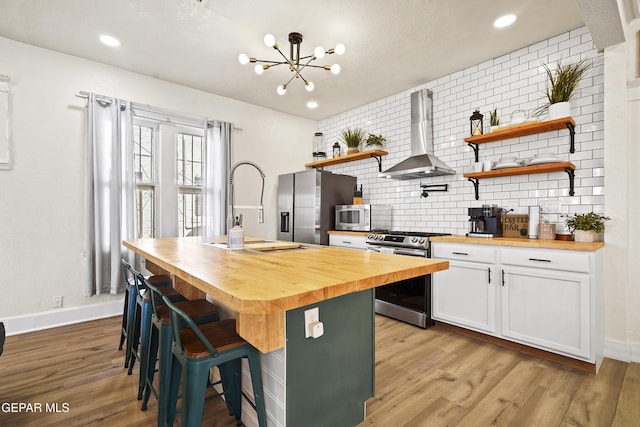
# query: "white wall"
(41, 198)
(509, 83)
(512, 82)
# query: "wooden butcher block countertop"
(520, 242)
(267, 283)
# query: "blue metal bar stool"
(128, 312)
(138, 329)
(200, 310)
(196, 349)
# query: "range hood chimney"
(422, 163)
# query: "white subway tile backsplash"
(510, 82)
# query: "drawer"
(472, 253)
(548, 259)
(348, 241)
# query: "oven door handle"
(410, 252)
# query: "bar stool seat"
(160, 339)
(196, 349)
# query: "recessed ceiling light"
(109, 40)
(312, 105)
(505, 21)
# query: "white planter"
(559, 110)
(588, 236)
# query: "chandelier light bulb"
(319, 52)
(270, 40)
(335, 69)
(243, 58)
(339, 49)
(309, 86)
(282, 89)
(259, 69)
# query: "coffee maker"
(485, 221)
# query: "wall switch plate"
(312, 325)
(57, 301)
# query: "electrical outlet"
(57, 301)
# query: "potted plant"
(561, 86)
(494, 121)
(353, 138)
(375, 140)
(587, 227)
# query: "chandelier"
(296, 62)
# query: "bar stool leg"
(172, 394)
(133, 336)
(256, 381)
(193, 394)
(232, 386)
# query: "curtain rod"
(156, 110)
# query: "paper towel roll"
(534, 221)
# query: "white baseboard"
(625, 352)
(61, 316)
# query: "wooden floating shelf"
(523, 130)
(377, 154)
(567, 167)
(523, 170)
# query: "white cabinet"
(353, 241)
(465, 294)
(549, 299)
(547, 309)
(546, 299)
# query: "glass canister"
(546, 231)
(318, 144)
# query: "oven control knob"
(379, 237)
(414, 239)
(370, 236)
(421, 240)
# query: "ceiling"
(391, 46)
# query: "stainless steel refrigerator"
(307, 201)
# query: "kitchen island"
(322, 381)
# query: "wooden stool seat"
(222, 335)
(194, 308)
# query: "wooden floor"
(423, 378)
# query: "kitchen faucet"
(231, 174)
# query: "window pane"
(143, 137)
(145, 211)
(189, 159)
(189, 212)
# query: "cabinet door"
(465, 295)
(547, 309)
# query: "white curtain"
(218, 157)
(110, 196)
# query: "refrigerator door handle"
(284, 222)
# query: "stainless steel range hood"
(422, 163)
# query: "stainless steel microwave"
(363, 217)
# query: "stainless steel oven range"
(408, 300)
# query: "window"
(168, 165)
(189, 171)
(144, 140)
